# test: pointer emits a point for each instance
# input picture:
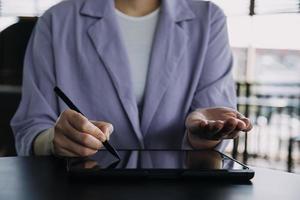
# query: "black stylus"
(71, 105)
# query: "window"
(277, 66)
(15, 8)
(240, 64)
(10, 10)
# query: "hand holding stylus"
(75, 135)
(87, 126)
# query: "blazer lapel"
(105, 36)
(168, 48)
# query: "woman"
(155, 74)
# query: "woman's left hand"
(207, 127)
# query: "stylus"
(71, 105)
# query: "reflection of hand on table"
(204, 160)
(89, 164)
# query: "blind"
(258, 7)
(13, 8)
(234, 7)
(277, 6)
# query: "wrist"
(42, 144)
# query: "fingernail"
(111, 129)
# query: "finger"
(209, 129)
(197, 126)
(248, 124)
(229, 125)
(84, 139)
(194, 119)
(217, 127)
(105, 127)
(61, 141)
(82, 124)
(246, 121)
(241, 125)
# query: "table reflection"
(176, 159)
(204, 160)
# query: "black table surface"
(45, 178)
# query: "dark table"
(45, 178)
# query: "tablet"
(195, 164)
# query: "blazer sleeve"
(38, 107)
(216, 87)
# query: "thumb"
(108, 130)
(194, 119)
(195, 123)
(245, 120)
(105, 127)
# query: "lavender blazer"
(76, 45)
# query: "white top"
(137, 34)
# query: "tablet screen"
(156, 159)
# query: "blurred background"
(265, 40)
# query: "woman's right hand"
(76, 136)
